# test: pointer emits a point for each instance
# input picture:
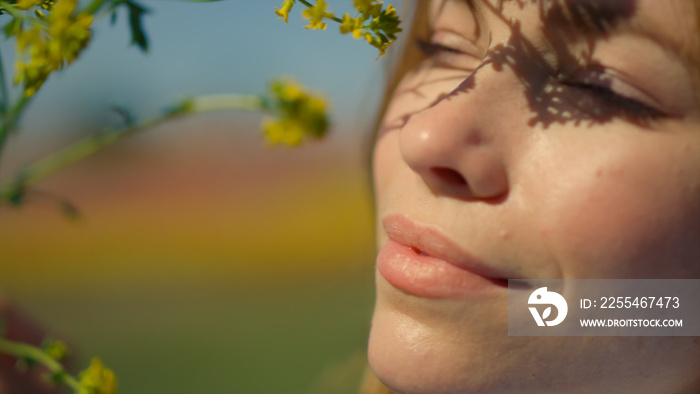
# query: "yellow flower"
(384, 27)
(97, 379)
(368, 8)
(315, 15)
(379, 27)
(299, 114)
(283, 132)
(27, 4)
(351, 25)
(283, 12)
(56, 349)
(48, 4)
(43, 50)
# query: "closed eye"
(612, 89)
(429, 48)
(464, 55)
(608, 96)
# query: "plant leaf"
(126, 116)
(138, 35)
(13, 27)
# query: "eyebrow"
(588, 16)
(601, 18)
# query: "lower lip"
(426, 276)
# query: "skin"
(601, 189)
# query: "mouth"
(423, 262)
(502, 282)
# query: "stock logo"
(543, 297)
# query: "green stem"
(333, 17)
(7, 7)
(11, 190)
(10, 9)
(9, 122)
(4, 91)
(22, 350)
(216, 102)
(10, 119)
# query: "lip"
(423, 262)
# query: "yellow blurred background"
(202, 260)
(207, 263)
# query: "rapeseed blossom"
(55, 349)
(299, 114)
(43, 49)
(283, 12)
(383, 26)
(97, 379)
(376, 25)
(315, 15)
(352, 25)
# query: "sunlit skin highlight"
(544, 154)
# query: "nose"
(455, 145)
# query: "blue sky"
(232, 46)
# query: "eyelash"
(430, 48)
(609, 96)
(601, 93)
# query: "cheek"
(629, 210)
(388, 169)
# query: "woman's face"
(555, 140)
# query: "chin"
(404, 364)
(442, 345)
(409, 356)
(413, 352)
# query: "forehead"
(671, 23)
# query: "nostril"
(449, 175)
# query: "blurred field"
(205, 263)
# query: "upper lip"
(435, 244)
